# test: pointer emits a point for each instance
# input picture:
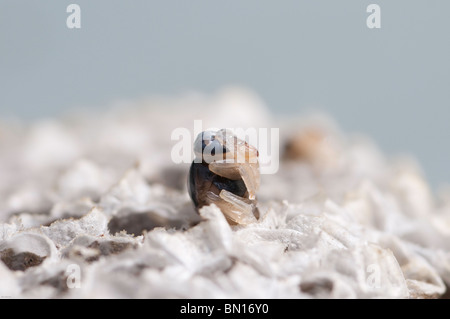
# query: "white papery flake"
(99, 191)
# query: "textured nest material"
(99, 191)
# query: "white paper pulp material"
(93, 206)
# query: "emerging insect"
(225, 172)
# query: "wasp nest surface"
(94, 205)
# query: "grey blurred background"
(390, 83)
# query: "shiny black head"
(208, 147)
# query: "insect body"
(225, 173)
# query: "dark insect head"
(207, 146)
